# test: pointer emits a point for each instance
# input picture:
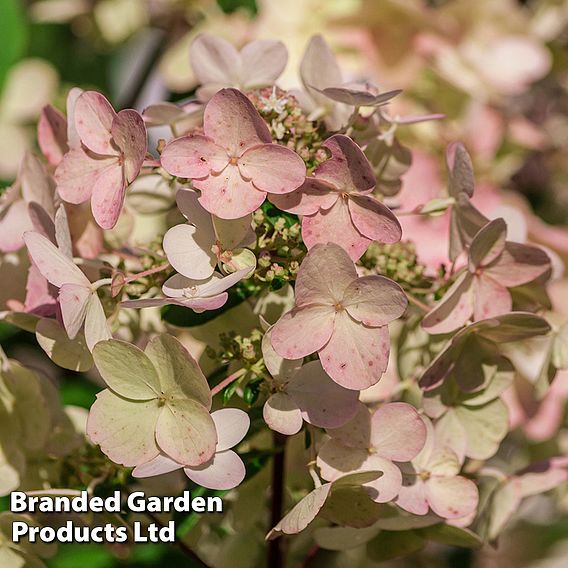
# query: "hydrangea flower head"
(341, 316)
(110, 158)
(234, 164)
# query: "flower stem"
(226, 382)
(275, 552)
(418, 303)
(154, 270)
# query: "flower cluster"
(278, 252)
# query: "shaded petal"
(52, 263)
(78, 174)
(96, 327)
(129, 134)
(308, 199)
(335, 461)
(93, 121)
(189, 206)
(518, 265)
(357, 432)
(490, 298)
(13, 224)
(232, 424)
(282, 414)
(334, 226)
(158, 466)
(374, 300)
(452, 497)
(189, 251)
(303, 331)
(348, 169)
(73, 301)
(186, 432)
(228, 195)
(214, 60)
(273, 168)
(178, 372)
(231, 120)
(124, 429)
(108, 197)
(412, 495)
(325, 274)
(263, 61)
(52, 135)
(356, 356)
(193, 156)
(323, 402)
(488, 244)
(398, 432)
(319, 67)
(454, 309)
(225, 471)
(177, 284)
(373, 219)
(127, 370)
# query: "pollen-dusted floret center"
(189, 292)
(424, 475)
(234, 160)
(339, 307)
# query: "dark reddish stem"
(275, 550)
(226, 382)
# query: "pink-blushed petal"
(232, 425)
(348, 169)
(108, 197)
(460, 169)
(325, 274)
(40, 299)
(374, 300)
(73, 138)
(73, 300)
(357, 432)
(412, 495)
(263, 61)
(373, 219)
(308, 199)
(231, 120)
(518, 265)
(334, 226)
(282, 414)
(488, 244)
(490, 298)
(13, 224)
(273, 168)
(124, 429)
(189, 251)
(452, 497)
(43, 223)
(52, 263)
(129, 134)
(356, 356)
(303, 331)
(79, 173)
(186, 432)
(454, 309)
(62, 232)
(319, 67)
(177, 285)
(93, 121)
(52, 135)
(96, 327)
(198, 305)
(193, 156)
(214, 60)
(225, 471)
(228, 195)
(158, 466)
(323, 402)
(335, 461)
(398, 432)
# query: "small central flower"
(233, 161)
(189, 292)
(339, 307)
(424, 475)
(344, 195)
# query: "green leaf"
(389, 545)
(454, 536)
(14, 34)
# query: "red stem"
(138, 275)
(226, 382)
